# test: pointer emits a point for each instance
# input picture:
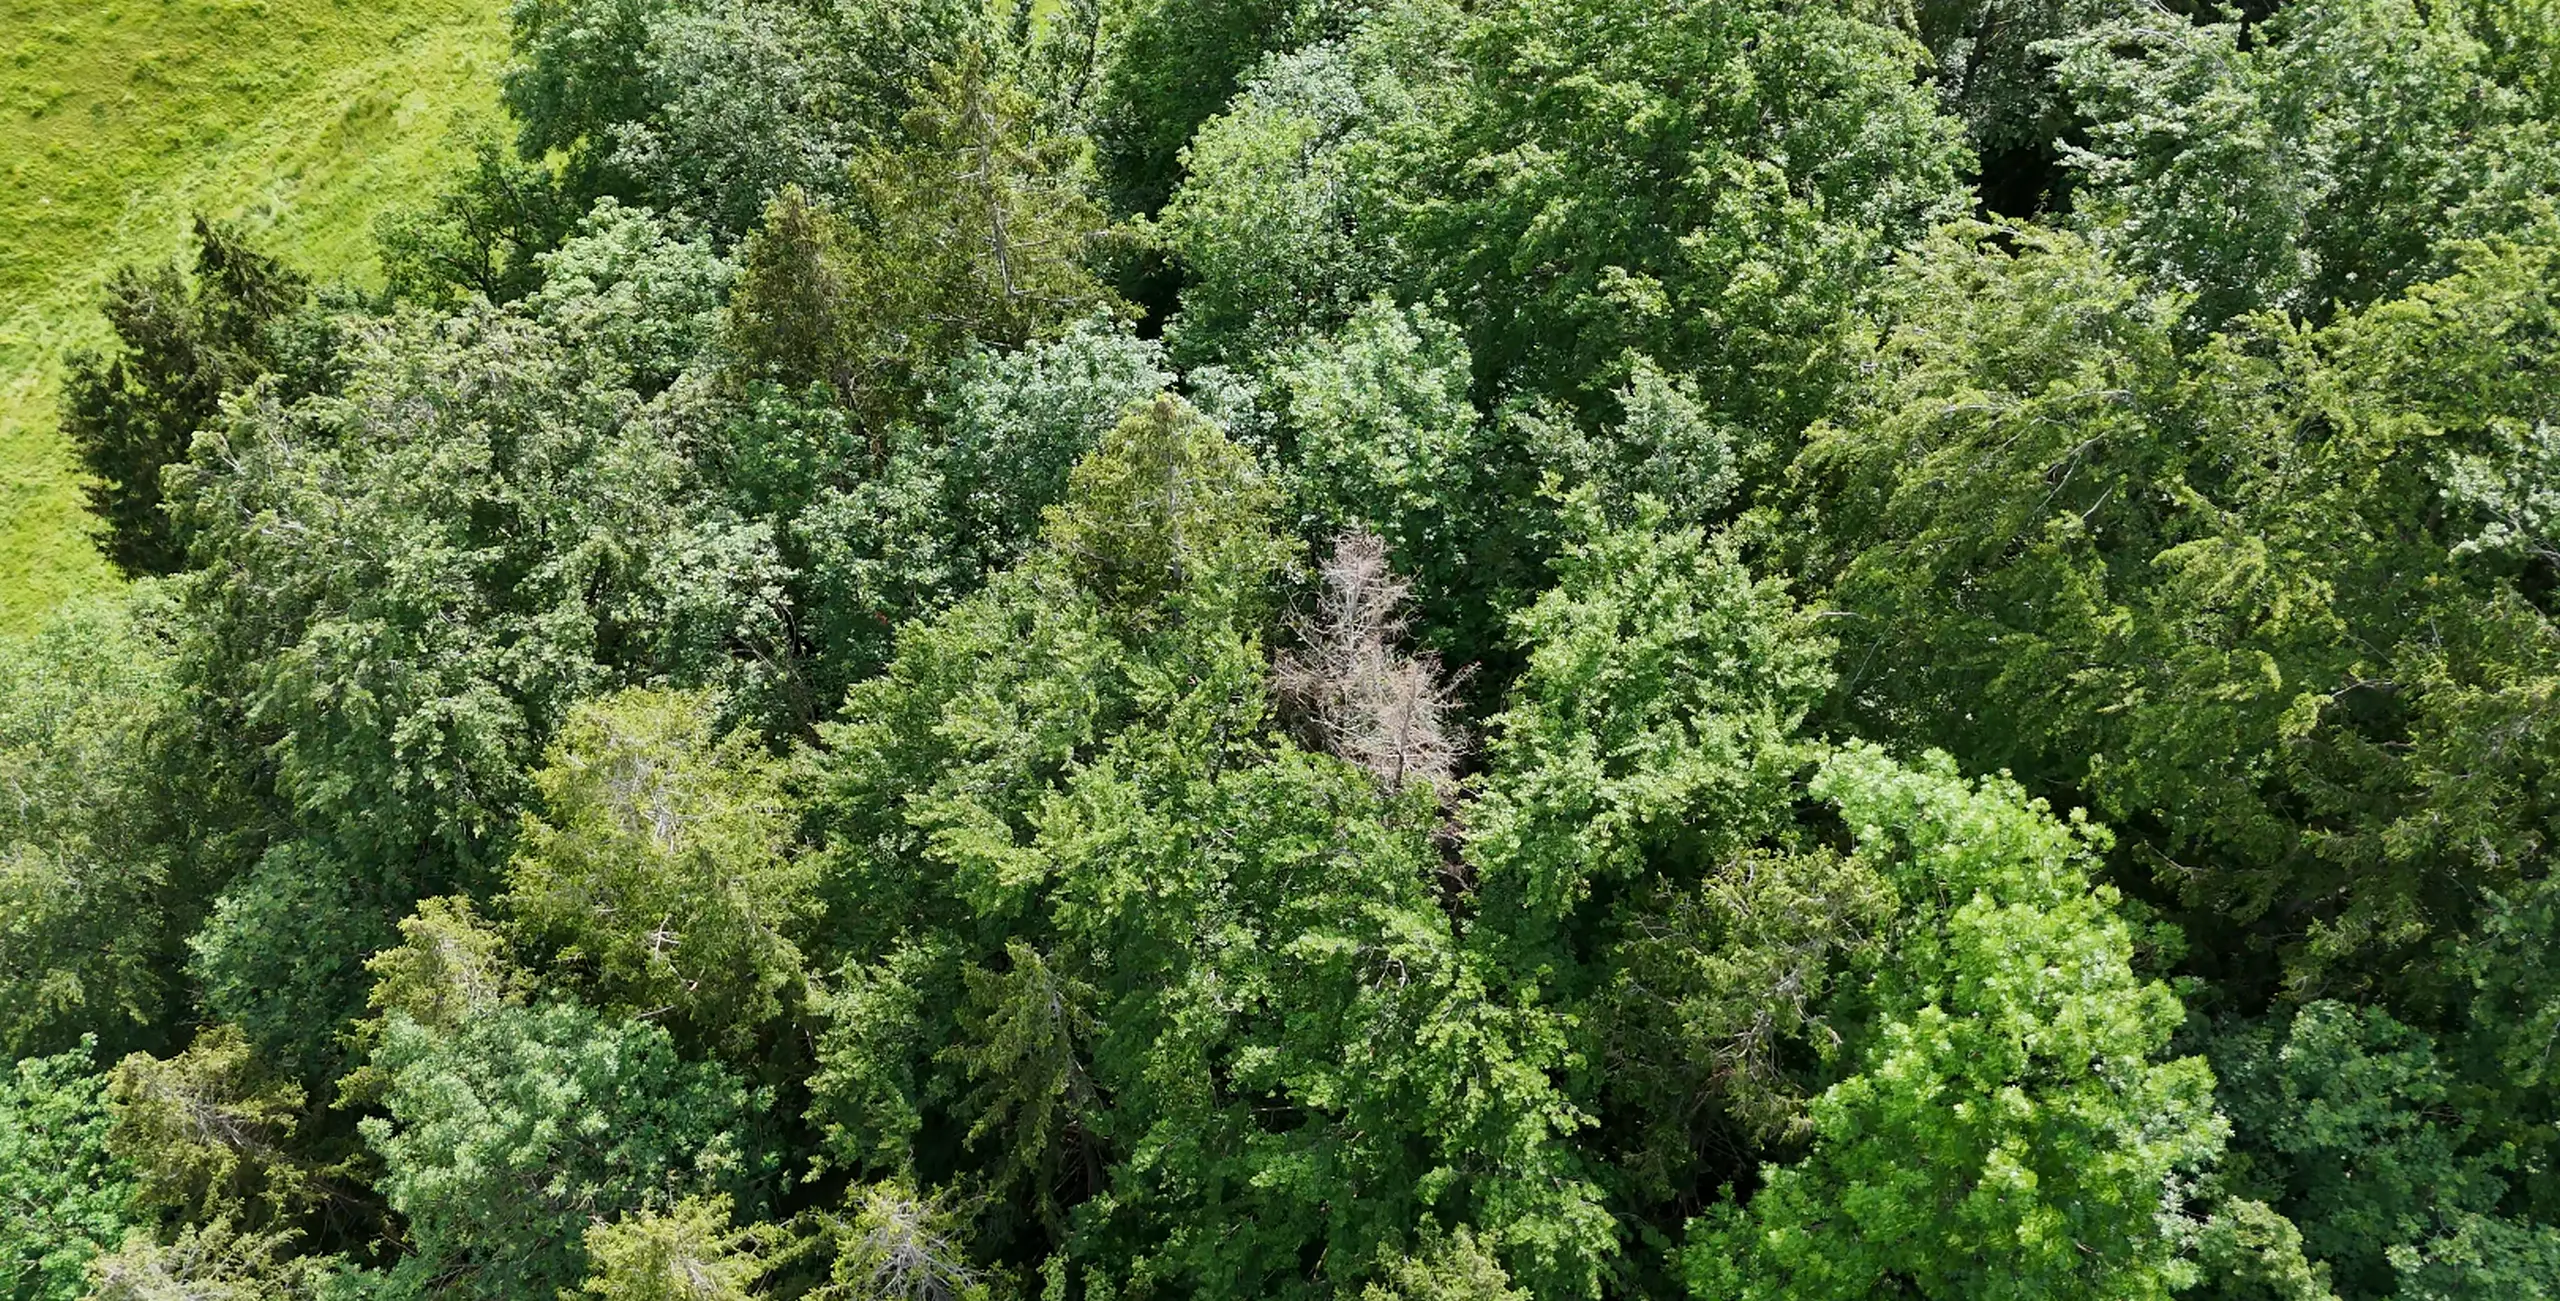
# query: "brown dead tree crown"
(1354, 692)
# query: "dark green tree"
(1174, 66)
(424, 572)
(183, 340)
(481, 234)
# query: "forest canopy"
(1395, 650)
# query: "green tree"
(2344, 143)
(1647, 749)
(504, 1135)
(1174, 65)
(482, 233)
(687, 1252)
(745, 100)
(1708, 186)
(1029, 1029)
(423, 572)
(211, 1262)
(2141, 577)
(2004, 1126)
(636, 300)
(709, 109)
(1381, 437)
(1277, 223)
(2360, 1135)
(1652, 732)
(1166, 511)
(657, 867)
(1290, 213)
(1451, 1267)
(2239, 600)
(1996, 72)
(449, 969)
(209, 1135)
(960, 496)
(1140, 928)
(182, 341)
(969, 225)
(1015, 423)
(899, 1245)
(282, 956)
(63, 1197)
(89, 889)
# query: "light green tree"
(687, 1252)
(2006, 1125)
(657, 867)
(209, 1135)
(63, 1197)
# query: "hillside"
(305, 117)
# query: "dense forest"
(1404, 650)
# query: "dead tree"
(1351, 689)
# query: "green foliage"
(1451, 1268)
(2017, 431)
(755, 609)
(577, 71)
(1276, 222)
(282, 956)
(900, 1246)
(657, 867)
(300, 118)
(1652, 729)
(85, 859)
(960, 494)
(506, 1133)
(1647, 748)
(710, 110)
(687, 1252)
(2198, 601)
(182, 342)
(1704, 185)
(397, 690)
(2344, 145)
(1138, 1020)
(968, 227)
(63, 1198)
(2361, 1137)
(208, 1134)
(482, 233)
(1028, 1030)
(449, 970)
(1016, 423)
(1383, 438)
(211, 1262)
(1168, 510)
(2005, 1128)
(745, 100)
(635, 300)
(1174, 65)
(1996, 72)
(1714, 984)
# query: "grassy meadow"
(119, 119)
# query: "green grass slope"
(119, 119)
